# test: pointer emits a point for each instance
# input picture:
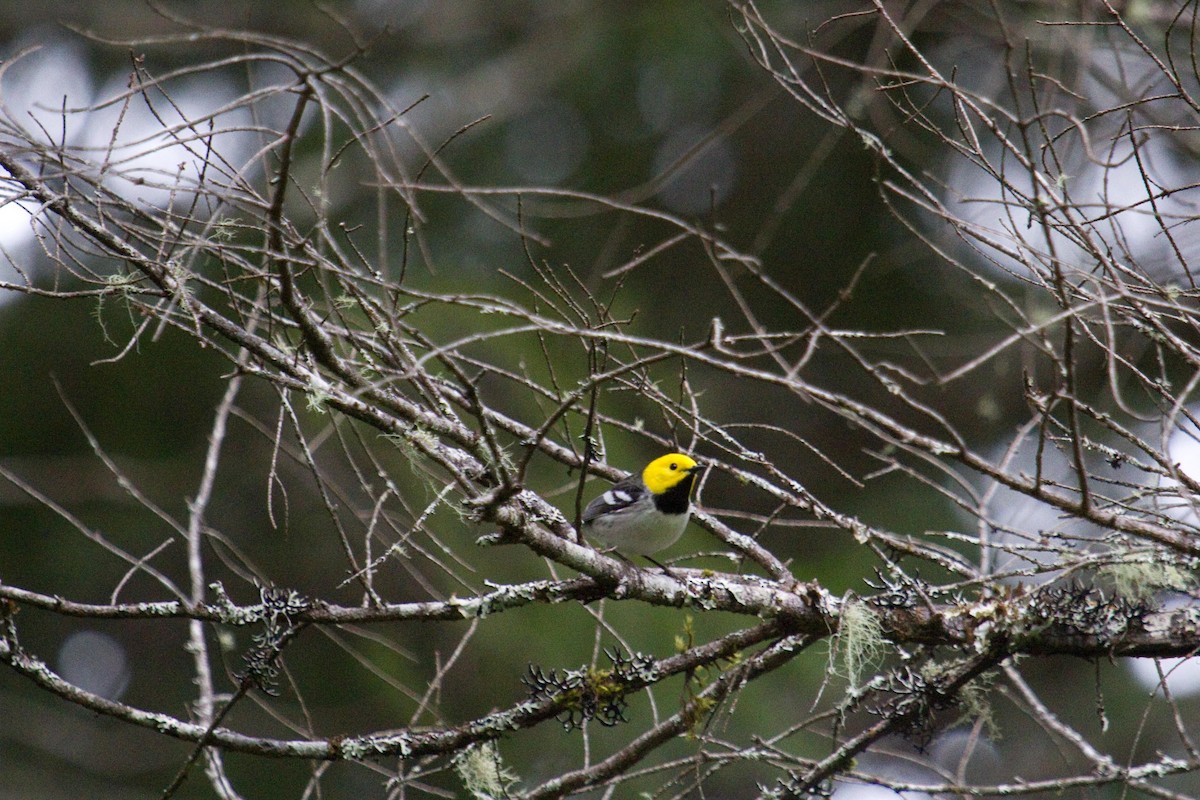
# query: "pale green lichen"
(361, 748)
(317, 397)
(468, 608)
(167, 724)
(226, 229)
(230, 612)
(412, 439)
(975, 701)
(483, 774)
(858, 645)
(700, 594)
(973, 698)
(1139, 579)
(122, 285)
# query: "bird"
(643, 514)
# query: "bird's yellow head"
(665, 472)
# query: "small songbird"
(643, 514)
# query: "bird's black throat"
(676, 499)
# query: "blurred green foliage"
(631, 75)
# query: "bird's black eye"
(674, 465)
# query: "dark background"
(595, 96)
